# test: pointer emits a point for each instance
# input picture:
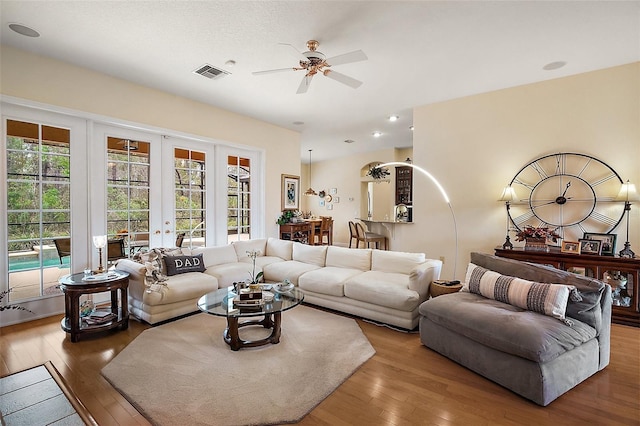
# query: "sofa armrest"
(421, 277)
(137, 273)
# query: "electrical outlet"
(442, 259)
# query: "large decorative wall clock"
(567, 192)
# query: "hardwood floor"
(403, 384)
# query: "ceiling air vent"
(211, 72)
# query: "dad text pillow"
(182, 264)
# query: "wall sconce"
(100, 242)
(508, 195)
(627, 194)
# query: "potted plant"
(4, 307)
(536, 238)
(285, 217)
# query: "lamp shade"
(628, 192)
(100, 241)
(508, 194)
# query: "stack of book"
(100, 317)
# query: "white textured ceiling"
(419, 52)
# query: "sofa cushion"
(290, 269)
(217, 255)
(547, 299)
(313, 255)
(588, 310)
(230, 273)
(242, 247)
(279, 248)
(182, 264)
(191, 285)
(349, 258)
(505, 327)
(328, 280)
(395, 261)
(382, 288)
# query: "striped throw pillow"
(547, 299)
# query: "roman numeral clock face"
(570, 193)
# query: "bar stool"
(369, 237)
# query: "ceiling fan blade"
(272, 71)
(344, 79)
(304, 84)
(295, 52)
(346, 58)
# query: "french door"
(43, 193)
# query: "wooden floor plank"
(404, 383)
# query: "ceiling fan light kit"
(314, 62)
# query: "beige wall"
(41, 79)
(475, 145)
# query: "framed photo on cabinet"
(290, 192)
(608, 242)
(590, 246)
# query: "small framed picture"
(608, 242)
(570, 247)
(333, 191)
(290, 192)
(590, 246)
(336, 199)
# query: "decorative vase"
(536, 244)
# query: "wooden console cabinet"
(300, 232)
(626, 303)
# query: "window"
(38, 207)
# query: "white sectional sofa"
(379, 285)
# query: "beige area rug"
(183, 373)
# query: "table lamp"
(100, 242)
(627, 194)
(508, 195)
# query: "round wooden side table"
(75, 285)
(437, 289)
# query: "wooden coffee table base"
(270, 321)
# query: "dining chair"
(370, 237)
(63, 246)
(326, 230)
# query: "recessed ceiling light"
(393, 118)
(411, 128)
(349, 141)
(376, 134)
(298, 123)
(24, 30)
(554, 65)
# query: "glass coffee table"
(220, 303)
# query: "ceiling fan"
(314, 62)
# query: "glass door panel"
(128, 192)
(190, 196)
(38, 207)
(238, 198)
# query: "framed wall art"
(608, 242)
(290, 192)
